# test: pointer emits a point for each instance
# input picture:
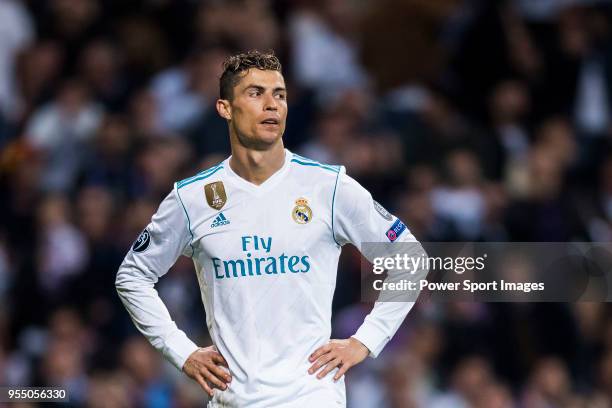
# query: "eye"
(254, 92)
(281, 96)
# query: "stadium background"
(469, 119)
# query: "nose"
(270, 103)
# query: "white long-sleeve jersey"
(266, 259)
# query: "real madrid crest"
(215, 194)
(301, 213)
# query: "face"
(258, 111)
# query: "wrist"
(360, 345)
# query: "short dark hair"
(235, 65)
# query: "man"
(264, 229)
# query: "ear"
(224, 109)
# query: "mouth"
(270, 122)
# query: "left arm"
(358, 219)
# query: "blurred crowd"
(472, 120)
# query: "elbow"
(121, 280)
(125, 277)
(130, 277)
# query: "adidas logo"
(219, 221)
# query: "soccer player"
(264, 228)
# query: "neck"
(256, 166)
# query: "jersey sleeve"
(154, 252)
(358, 219)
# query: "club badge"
(215, 194)
(301, 213)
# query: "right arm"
(157, 248)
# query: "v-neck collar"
(270, 182)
